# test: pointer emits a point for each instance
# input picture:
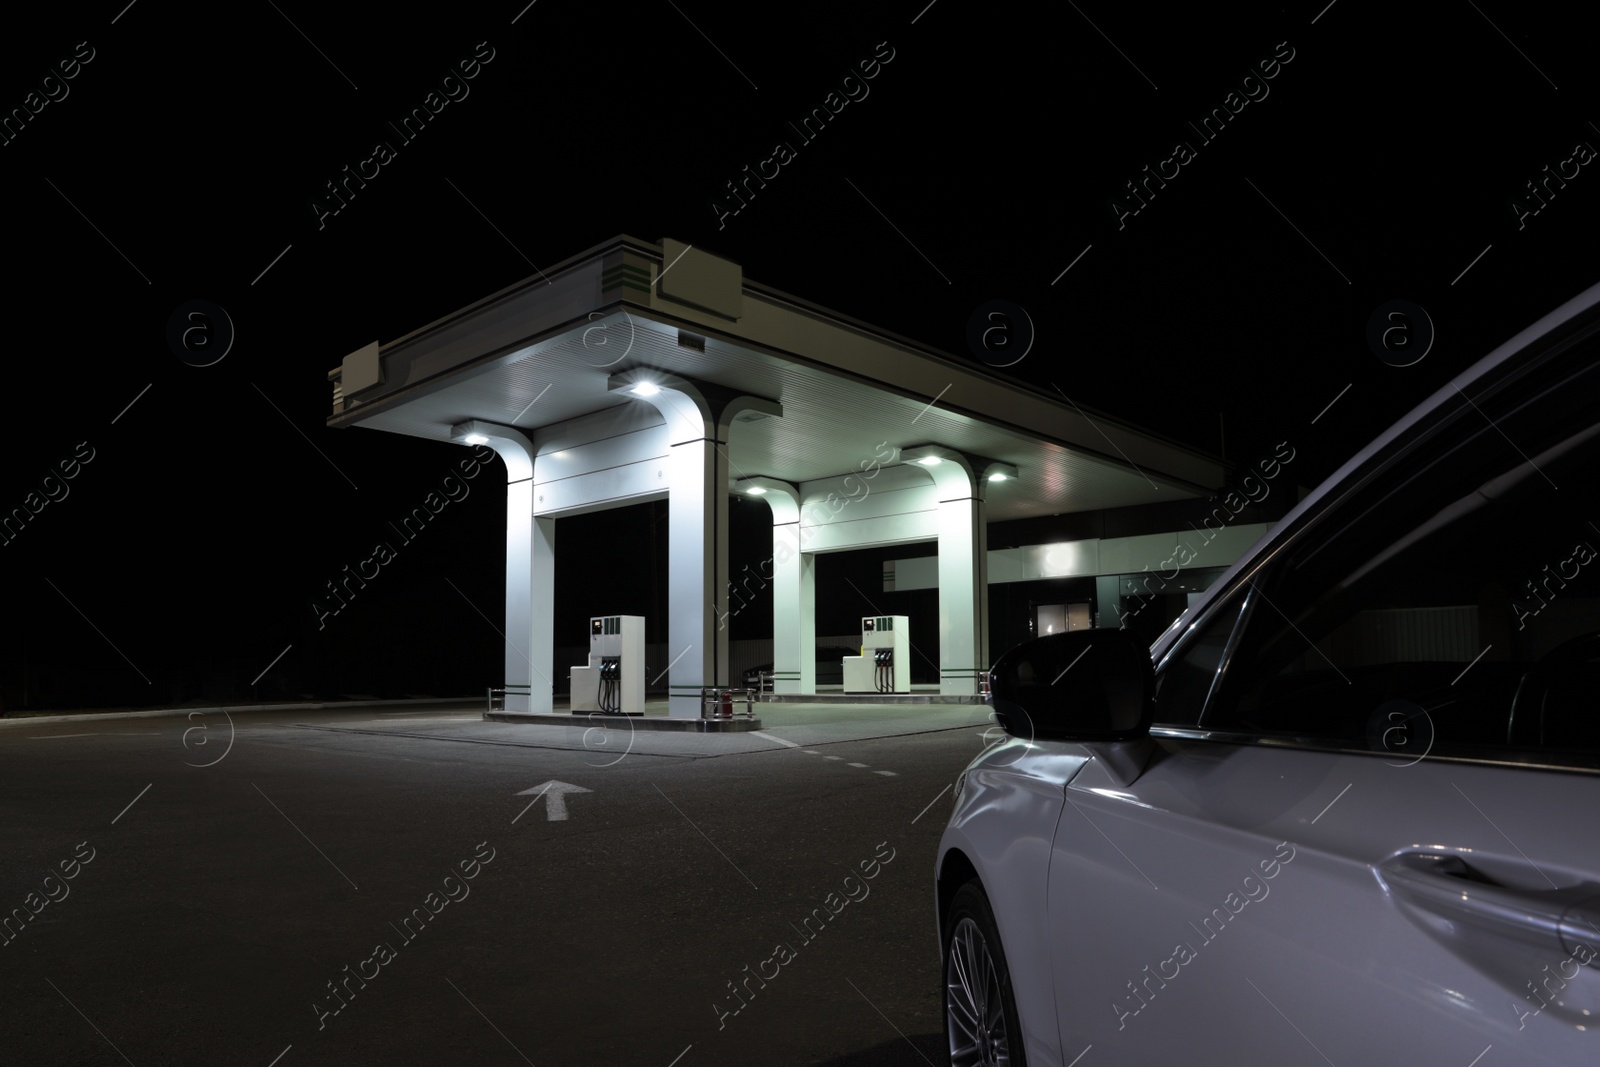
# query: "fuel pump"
(612, 682)
(884, 665)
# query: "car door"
(1368, 833)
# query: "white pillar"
(794, 635)
(520, 596)
(963, 593)
(806, 619)
(530, 570)
(960, 482)
(697, 576)
(699, 419)
(541, 644)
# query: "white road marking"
(769, 737)
(380, 722)
(556, 806)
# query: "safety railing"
(717, 702)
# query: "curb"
(638, 722)
(159, 713)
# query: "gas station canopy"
(636, 371)
(540, 353)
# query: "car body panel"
(1004, 820)
(1278, 966)
(1417, 910)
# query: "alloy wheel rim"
(974, 1010)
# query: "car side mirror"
(1082, 685)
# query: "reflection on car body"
(1397, 689)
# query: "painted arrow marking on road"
(556, 806)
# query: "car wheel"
(980, 1012)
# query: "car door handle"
(1447, 887)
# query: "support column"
(697, 578)
(960, 481)
(794, 634)
(530, 570)
(541, 644)
(963, 593)
(806, 620)
(698, 418)
(520, 595)
(1108, 601)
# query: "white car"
(1346, 810)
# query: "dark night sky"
(184, 157)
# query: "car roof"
(1330, 488)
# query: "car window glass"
(1185, 682)
(1450, 607)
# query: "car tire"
(981, 1024)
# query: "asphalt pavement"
(416, 885)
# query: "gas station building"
(636, 371)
